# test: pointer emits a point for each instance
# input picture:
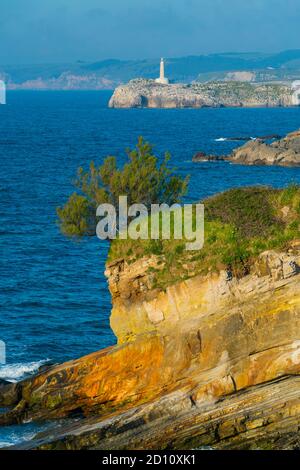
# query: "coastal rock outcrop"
(202, 157)
(141, 93)
(282, 152)
(211, 360)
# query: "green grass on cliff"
(239, 225)
(243, 90)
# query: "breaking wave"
(235, 139)
(18, 371)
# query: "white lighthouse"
(162, 79)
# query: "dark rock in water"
(9, 393)
(238, 139)
(46, 367)
(4, 382)
(263, 137)
(202, 157)
(269, 137)
(199, 156)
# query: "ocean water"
(54, 299)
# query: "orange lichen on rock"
(217, 338)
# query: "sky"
(55, 31)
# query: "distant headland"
(255, 67)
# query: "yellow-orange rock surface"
(210, 361)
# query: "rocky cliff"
(212, 358)
(142, 93)
(210, 361)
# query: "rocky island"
(282, 152)
(208, 349)
(142, 93)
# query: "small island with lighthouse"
(161, 93)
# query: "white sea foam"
(221, 139)
(18, 371)
(15, 438)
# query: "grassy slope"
(239, 225)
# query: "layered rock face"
(142, 93)
(211, 360)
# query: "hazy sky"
(33, 31)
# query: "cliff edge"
(203, 358)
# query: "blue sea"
(54, 300)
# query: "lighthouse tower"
(162, 79)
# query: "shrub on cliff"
(248, 209)
(143, 179)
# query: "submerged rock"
(263, 137)
(202, 157)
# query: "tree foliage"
(143, 179)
